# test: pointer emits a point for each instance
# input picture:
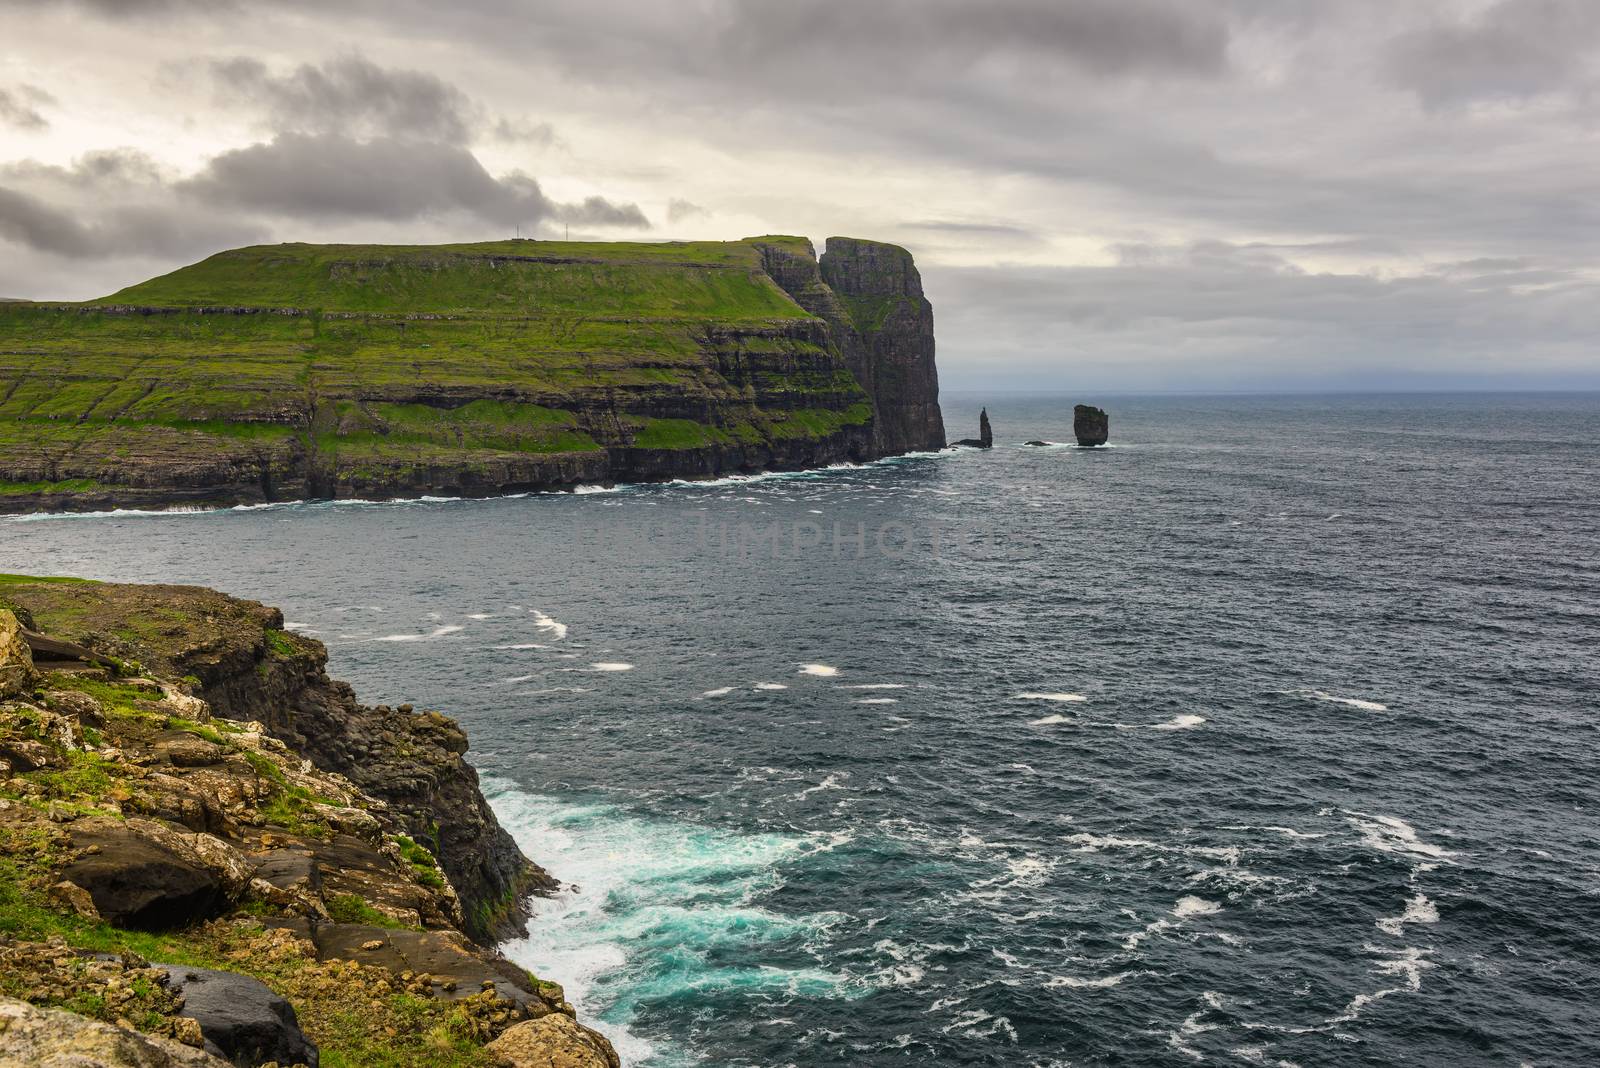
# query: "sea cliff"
(291, 372)
(205, 840)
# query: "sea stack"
(985, 438)
(1090, 425)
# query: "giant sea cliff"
(295, 371)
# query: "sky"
(1102, 195)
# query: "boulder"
(49, 1038)
(135, 881)
(1090, 425)
(241, 1017)
(16, 659)
(554, 1041)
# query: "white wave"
(1180, 723)
(875, 686)
(1390, 834)
(878, 701)
(720, 691)
(1105, 981)
(1033, 696)
(617, 934)
(519, 678)
(480, 615)
(523, 645)
(437, 632)
(826, 671)
(1408, 963)
(611, 665)
(834, 781)
(1418, 910)
(556, 629)
(771, 686)
(1051, 720)
(587, 488)
(1348, 702)
(1194, 906)
(1094, 843)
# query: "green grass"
(281, 644)
(271, 363)
(352, 908)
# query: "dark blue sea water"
(1267, 736)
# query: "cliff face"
(882, 290)
(244, 859)
(246, 667)
(303, 371)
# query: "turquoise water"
(1266, 736)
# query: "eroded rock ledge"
(211, 843)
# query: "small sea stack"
(1090, 425)
(985, 438)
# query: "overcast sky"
(1102, 195)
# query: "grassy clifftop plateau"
(291, 371)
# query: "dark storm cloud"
(309, 176)
(351, 95)
(1511, 50)
(20, 106)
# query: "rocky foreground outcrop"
(186, 853)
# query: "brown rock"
(76, 898)
(50, 1038)
(16, 661)
(553, 1041)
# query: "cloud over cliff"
(1368, 145)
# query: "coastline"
(184, 784)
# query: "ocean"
(1266, 735)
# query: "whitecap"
(825, 671)
(1194, 906)
(878, 701)
(1051, 720)
(479, 615)
(1180, 723)
(771, 686)
(1348, 702)
(437, 632)
(720, 691)
(875, 686)
(522, 645)
(1390, 834)
(551, 626)
(1035, 696)
(611, 665)
(1418, 910)
(1075, 983)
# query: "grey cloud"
(1104, 37)
(1514, 49)
(524, 131)
(331, 177)
(19, 107)
(88, 232)
(1219, 317)
(350, 95)
(678, 210)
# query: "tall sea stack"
(985, 433)
(1090, 425)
